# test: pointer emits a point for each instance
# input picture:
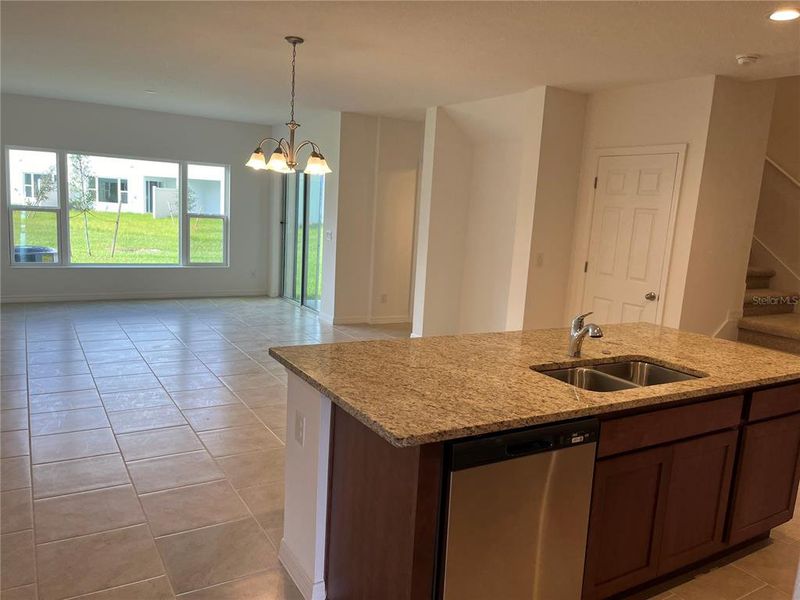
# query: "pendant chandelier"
(284, 157)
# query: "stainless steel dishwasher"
(518, 514)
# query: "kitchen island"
(370, 426)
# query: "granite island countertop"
(422, 390)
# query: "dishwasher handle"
(515, 444)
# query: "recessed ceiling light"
(785, 14)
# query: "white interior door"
(630, 226)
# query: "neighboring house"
(141, 186)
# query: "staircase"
(769, 317)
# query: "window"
(112, 190)
(34, 207)
(115, 211)
(206, 202)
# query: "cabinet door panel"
(626, 521)
(697, 499)
(767, 477)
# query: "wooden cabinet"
(766, 478)
(626, 521)
(697, 499)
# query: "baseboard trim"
(388, 320)
(309, 589)
(84, 297)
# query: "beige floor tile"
(14, 443)
(204, 557)
(16, 512)
(777, 564)
(150, 589)
(166, 472)
(254, 468)
(13, 419)
(78, 367)
(248, 381)
(267, 396)
(789, 531)
(191, 381)
(16, 399)
(96, 562)
(25, 592)
(224, 442)
(76, 444)
(65, 383)
(219, 417)
(768, 593)
(15, 473)
(274, 584)
(132, 367)
(136, 399)
(80, 475)
(158, 442)
(724, 583)
(191, 507)
(68, 420)
(44, 403)
(203, 398)
(17, 559)
(266, 503)
(234, 367)
(183, 367)
(273, 417)
(127, 383)
(63, 517)
(142, 419)
(11, 383)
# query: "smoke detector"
(747, 59)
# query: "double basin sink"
(612, 377)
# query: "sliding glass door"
(304, 206)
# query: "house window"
(115, 210)
(34, 210)
(207, 199)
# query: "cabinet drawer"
(667, 425)
(775, 401)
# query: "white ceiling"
(229, 60)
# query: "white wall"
(777, 242)
(59, 124)
(726, 211)
(554, 208)
(442, 224)
(501, 172)
(377, 197)
(674, 112)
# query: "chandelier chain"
(294, 57)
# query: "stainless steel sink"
(589, 379)
(612, 377)
(643, 373)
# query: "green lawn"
(314, 276)
(141, 238)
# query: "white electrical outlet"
(299, 428)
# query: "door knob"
(650, 296)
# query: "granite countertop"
(416, 391)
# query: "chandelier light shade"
(284, 158)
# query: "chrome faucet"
(578, 331)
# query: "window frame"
(188, 216)
(62, 215)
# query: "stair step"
(787, 325)
(765, 301)
(758, 277)
(779, 332)
(760, 272)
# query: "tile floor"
(141, 450)
(141, 456)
